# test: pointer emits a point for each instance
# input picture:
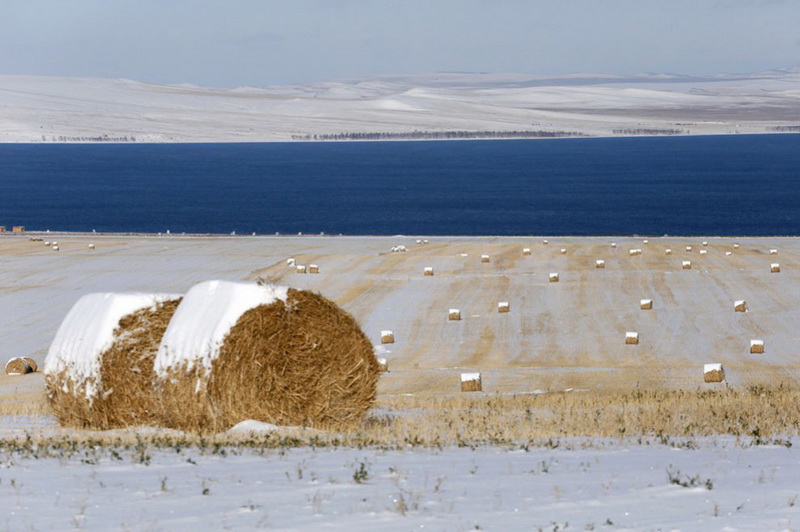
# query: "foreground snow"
(51, 109)
(720, 486)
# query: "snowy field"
(569, 334)
(48, 109)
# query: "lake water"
(725, 185)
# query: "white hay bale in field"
(313, 268)
(387, 337)
(705, 243)
(736, 246)
(55, 243)
(471, 382)
(713, 373)
(703, 252)
(688, 248)
(613, 244)
(645, 242)
(424, 241)
(383, 365)
(740, 305)
(419, 242)
(91, 246)
(454, 315)
(600, 263)
(728, 253)
(668, 251)
(290, 262)
(775, 267)
(47, 243)
(757, 346)
(636, 251)
(300, 268)
(545, 242)
(526, 251)
(502, 307)
(553, 277)
(485, 258)
(773, 252)
(399, 249)
(55, 248)
(427, 271)
(563, 251)
(631, 338)
(686, 265)
(646, 304)
(18, 366)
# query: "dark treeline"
(785, 129)
(647, 131)
(441, 135)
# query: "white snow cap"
(88, 330)
(466, 377)
(203, 319)
(712, 367)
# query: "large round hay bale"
(32, 363)
(236, 351)
(99, 369)
(18, 366)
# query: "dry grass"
(303, 362)
(124, 397)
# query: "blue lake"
(724, 185)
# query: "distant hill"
(431, 106)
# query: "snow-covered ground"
(37, 109)
(721, 485)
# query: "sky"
(231, 43)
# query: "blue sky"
(227, 43)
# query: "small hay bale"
(471, 382)
(383, 365)
(688, 248)
(736, 246)
(545, 242)
(613, 244)
(705, 243)
(387, 337)
(91, 246)
(526, 251)
(300, 268)
(646, 304)
(713, 373)
(563, 251)
(502, 307)
(774, 267)
(399, 249)
(703, 252)
(553, 277)
(631, 338)
(55, 248)
(454, 315)
(728, 253)
(773, 252)
(633, 252)
(313, 268)
(47, 243)
(645, 242)
(740, 305)
(757, 346)
(428, 271)
(484, 258)
(18, 366)
(99, 369)
(290, 262)
(600, 264)
(419, 241)
(668, 251)
(686, 265)
(238, 351)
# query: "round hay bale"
(99, 370)
(296, 359)
(17, 366)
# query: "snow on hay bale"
(471, 382)
(454, 315)
(427, 271)
(613, 244)
(526, 251)
(668, 251)
(563, 251)
(736, 246)
(300, 268)
(399, 249)
(713, 373)
(553, 277)
(705, 243)
(740, 305)
(704, 252)
(387, 337)
(237, 351)
(686, 265)
(484, 258)
(688, 248)
(99, 369)
(646, 304)
(383, 365)
(757, 346)
(18, 366)
(632, 338)
(773, 251)
(313, 268)
(290, 262)
(775, 267)
(91, 246)
(599, 263)
(502, 307)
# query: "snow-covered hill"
(48, 109)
